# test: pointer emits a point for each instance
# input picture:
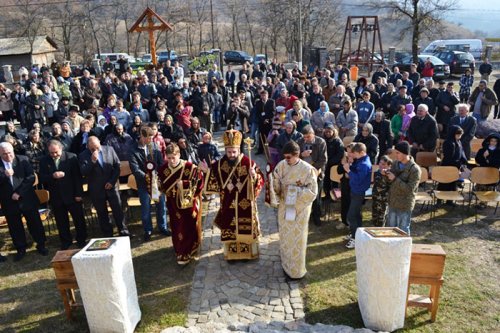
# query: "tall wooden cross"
(145, 23)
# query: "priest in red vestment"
(238, 182)
(182, 183)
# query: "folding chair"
(446, 175)
(43, 197)
(124, 172)
(426, 159)
(334, 177)
(424, 196)
(485, 176)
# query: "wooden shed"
(16, 51)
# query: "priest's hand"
(253, 173)
(203, 166)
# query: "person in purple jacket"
(360, 172)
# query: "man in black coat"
(18, 197)
(382, 130)
(468, 125)
(425, 99)
(423, 131)
(446, 108)
(265, 108)
(60, 173)
(101, 167)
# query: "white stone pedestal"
(107, 286)
(383, 267)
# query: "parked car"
(237, 57)
(457, 60)
(441, 70)
(166, 55)
(147, 58)
(259, 57)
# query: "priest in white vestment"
(294, 182)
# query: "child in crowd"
(208, 151)
(360, 174)
(380, 191)
(345, 189)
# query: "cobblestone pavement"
(244, 296)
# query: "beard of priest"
(231, 178)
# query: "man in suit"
(60, 173)
(146, 152)
(18, 197)
(313, 151)
(468, 124)
(265, 108)
(101, 166)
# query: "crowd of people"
(81, 128)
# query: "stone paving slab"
(246, 296)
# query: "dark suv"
(237, 57)
(457, 60)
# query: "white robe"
(293, 220)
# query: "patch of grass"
(469, 296)
(30, 302)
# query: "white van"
(113, 57)
(476, 46)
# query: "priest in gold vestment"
(294, 182)
(238, 182)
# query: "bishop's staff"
(249, 142)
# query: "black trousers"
(35, 228)
(113, 198)
(316, 205)
(62, 222)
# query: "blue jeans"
(161, 211)
(400, 219)
(354, 217)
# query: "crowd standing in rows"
(81, 127)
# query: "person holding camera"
(6, 104)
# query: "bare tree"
(29, 19)
(69, 17)
(417, 16)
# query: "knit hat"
(403, 147)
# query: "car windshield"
(465, 56)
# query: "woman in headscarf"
(360, 88)
(99, 130)
(320, 117)
(371, 142)
(290, 133)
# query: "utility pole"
(212, 18)
(300, 35)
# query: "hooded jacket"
(493, 158)
(453, 152)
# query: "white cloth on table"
(107, 286)
(383, 268)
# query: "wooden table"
(426, 267)
(65, 279)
